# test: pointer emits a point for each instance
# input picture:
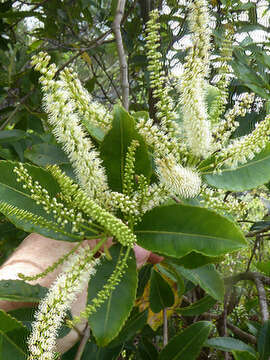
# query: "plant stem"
(165, 327)
(86, 335)
(121, 52)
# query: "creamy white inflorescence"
(53, 308)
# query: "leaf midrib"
(16, 190)
(184, 234)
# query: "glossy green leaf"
(199, 307)
(108, 321)
(147, 350)
(143, 278)
(187, 344)
(253, 327)
(207, 277)
(46, 154)
(9, 136)
(134, 324)
(264, 341)
(177, 230)
(93, 352)
(247, 176)
(12, 338)
(18, 290)
(96, 132)
(13, 193)
(243, 355)
(195, 260)
(115, 145)
(229, 344)
(161, 294)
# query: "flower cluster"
(178, 180)
(219, 104)
(195, 118)
(53, 308)
(129, 171)
(244, 207)
(245, 148)
(68, 131)
(107, 289)
(62, 214)
(84, 104)
(226, 127)
(164, 105)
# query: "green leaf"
(195, 260)
(7, 136)
(97, 133)
(177, 230)
(187, 344)
(264, 267)
(207, 277)
(243, 355)
(18, 290)
(253, 327)
(107, 322)
(12, 338)
(93, 352)
(147, 350)
(246, 176)
(229, 344)
(264, 341)
(199, 307)
(115, 145)
(131, 328)
(46, 154)
(13, 193)
(144, 276)
(161, 294)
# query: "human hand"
(35, 254)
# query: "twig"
(83, 342)
(242, 334)
(121, 52)
(259, 280)
(100, 85)
(96, 42)
(21, 102)
(249, 275)
(253, 252)
(165, 327)
(254, 233)
(108, 75)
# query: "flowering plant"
(138, 182)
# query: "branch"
(242, 334)
(100, 85)
(96, 42)
(253, 251)
(249, 275)
(121, 52)
(262, 299)
(107, 74)
(259, 280)
(165, 327)
(254, 233)
(86, 335)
